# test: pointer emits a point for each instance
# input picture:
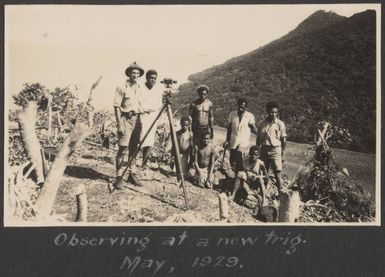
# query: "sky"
(72, 45)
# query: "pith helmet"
(132, 66)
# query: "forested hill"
(325, 69)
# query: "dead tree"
(90, 108)
(27, 120)
(81, 203)
(46, 199)
(49, 133)
(319, 137)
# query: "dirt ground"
(160, 200)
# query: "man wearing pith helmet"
(202, 116)
(127, 104)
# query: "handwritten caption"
(289, 243)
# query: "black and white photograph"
(192, 115)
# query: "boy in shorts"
(184, 138)
(204, 158)
(253, 175)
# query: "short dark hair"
(241, 101)
(184, 118)
(150, 72)
(252, 149)
(202, 88)
(271, 105)
(205, 133)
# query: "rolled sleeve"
(251, 119)
(118, 97)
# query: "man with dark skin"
(202, 115)
(240, 125)
(271, 139)
(204, 158)
(126, 106)
(151, 105)
(253, 175)
(184, 138)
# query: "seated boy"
(204, 158)
(253, 175)
(184, 138)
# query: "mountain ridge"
(308, 25)
(328, 71)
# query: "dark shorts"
(198, 133)
(272, 157)
(236, 160)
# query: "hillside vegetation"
(325, 69)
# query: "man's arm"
(283, 138)
(258, 140)
(228, 135)
(283, 145)
(211, 163)
(211, 120)
(196, 159)
(191, 153)
(265, 181)
(264, 172)
(118, 118)
(191, 111)
(254, 130)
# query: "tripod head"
(167, 96)
(168, 82)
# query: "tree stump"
(223, 206)
(289, 206)
(81, 203)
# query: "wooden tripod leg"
(133, 157)
(177, 152)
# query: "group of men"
(137, 105)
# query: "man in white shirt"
(240, 125)
(126, 106)
(152, 103)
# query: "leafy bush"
(338, 197)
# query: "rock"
(269, 213)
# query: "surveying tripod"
(167, 97)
